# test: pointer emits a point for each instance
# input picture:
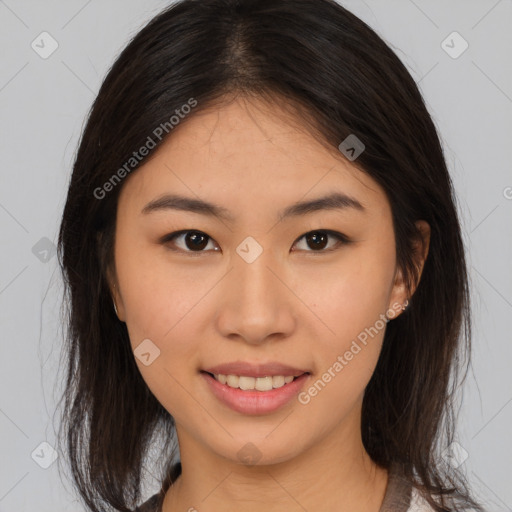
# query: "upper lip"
(255, 369)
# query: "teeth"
(253, 383)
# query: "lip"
(255, 402)
(270, 369)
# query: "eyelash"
(342, 240)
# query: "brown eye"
(191, 241)
(195, 240)
(319, 240)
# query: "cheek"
(348, 324)
(347, 351)
(350, 296)
(157, 296)
(345, 300)
(164, 307)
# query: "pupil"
(315, 238)
(195, 238)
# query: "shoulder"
(154, 504)
(419, 503)
(150, 505)
(401, 495)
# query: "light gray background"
(43, 106)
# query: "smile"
(254, 383)
(254, 395)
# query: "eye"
(319, 240)
(196, 241)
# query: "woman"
(265, 268)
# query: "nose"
(256, 303)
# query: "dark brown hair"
(339, 78)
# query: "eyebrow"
(333, 201)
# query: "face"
(308, 289)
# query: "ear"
(401, 293)
(111, 277)
(116, 295)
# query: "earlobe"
(116, 299)
(423, 243)
(399, 300)
(114, 302)
(421, 247)
(401, 293)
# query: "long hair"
(339, 78)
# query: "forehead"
(249, 154)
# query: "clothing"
(400, 496)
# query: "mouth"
(249, 383)
(251, 395)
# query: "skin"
(294, 304)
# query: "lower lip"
(255, 402)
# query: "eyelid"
(175, 234)
(342, 241)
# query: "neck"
(336, 476)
